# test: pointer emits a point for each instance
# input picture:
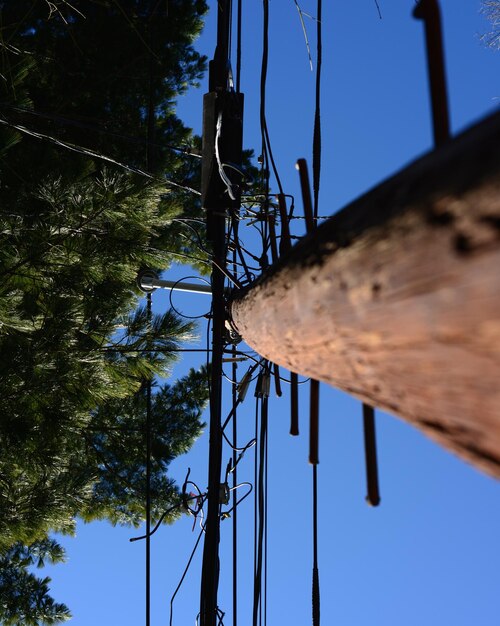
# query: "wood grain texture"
(396, 299)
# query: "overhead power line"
(95, 155)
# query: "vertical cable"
(255, 497)
(235, 478)
(238, 46)
(311, 214)
(315, 582)
(316, 165)
(267, 154)
(148, 480)
(266, 400)
(257, 601)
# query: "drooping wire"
(172, 289)
(165, 513)
(66, 121)
(184, 575)
(96, 155)
(267, 149)
(240, 500)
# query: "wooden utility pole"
(396, 298)
(222, 143)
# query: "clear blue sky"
(429, 554)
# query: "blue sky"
(428, 554)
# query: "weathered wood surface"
(396, 299)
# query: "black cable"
(255, 503)
(234, 448)
(316, 165)
(165, 513)
(208, 350)
(184, 576)
(266, 143)
(315, 582)
(148, 482)
(238, 250)
(185, 222)
(265, 516)
(96, 155)
(171, 290)
(186, 150)
(257, 602)
(238, 46)
(235, 401)
(234, 508)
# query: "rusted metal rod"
(428, 11)
(314, 385)
(314, 423)
(294, 404)
(373, 494)
(285, 241)
(284, 247)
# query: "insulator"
(243, 385)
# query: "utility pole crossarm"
(396, 298)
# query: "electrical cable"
(95, 155)
(227, 513)
(238, 46)
(186, 150)
(148, 479)
(266, 143)
(235, 401)
(222, 173)
(184, 576)
(316, 165)
(315, 583)
(171, 290)
(162, 517)
(257, 601)
(265, 518)
(255, 505)
(249, 445)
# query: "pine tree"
(24, 597)
(76, 348)
(491, 8)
